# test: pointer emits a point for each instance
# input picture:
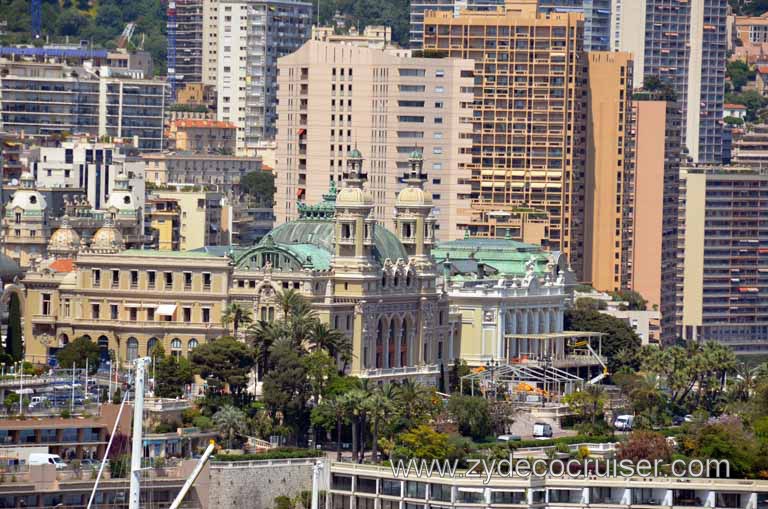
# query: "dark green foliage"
(472, 415)
(362, 13)
(118, 467)
(286, 388)
(283, 502)
(752, 99)
(223, 361)
(665, 89)
(620, 346)
(739, 73)
(635, 301)
(171, 375)
(99, 22)
(260, 185)
(13, 345)
(77, 352)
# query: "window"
(46, 304)
(439, 104)
(390, 487)
(412, 88)
(206, 280)
(411, 72)
(176, 348)
(132, 349)
(168, 280)
(410, 118)
(440, 73)
(437, 150)
(67, 307)
(113, 311)
(192, 344)
(115, 278)
(366, 485)
(438, 120)
(133, 314)
(439, 89)
(206, 315)
(95, 311)
(415, 489)
(134, 279)
(187, 280)
(151, 276)
(96, 278)
(187, 314)
(410, 104)
(150, 314)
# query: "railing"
(407, 370)
(166, 404)
(263, 463)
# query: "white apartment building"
(88, 167)
(252, 35)
(333, 97)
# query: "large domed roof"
(354, 197)
(107, 237)
(413, 197)
(65, 238)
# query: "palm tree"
(231, 423)
(413, 401)
(379, 406)
(237, 315)
(337, 408)
(291, 302)
(336, 343)
(354, 402)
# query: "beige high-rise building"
(210, 40)
(609, 186)
(335, 97)
(528, 148)
(200, 211)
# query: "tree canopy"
(259, 185)
(223, 361)
(76, 352)
(621, 343)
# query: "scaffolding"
(522, 383)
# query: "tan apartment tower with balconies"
(609, 180)
(334, 97)
(528, 153)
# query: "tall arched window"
(380, 344)
(132, 352)
(176, 348)
(151, 344)
(192, 344)
(404, 344)
(391, 343)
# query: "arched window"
(380, 344)
(384, 281)
(132, 352)
(176, 348)
(408, 280)
(192, 344)
(63, 339)
(391, 342)
(404, 344)
(397, 279)
(151, 344)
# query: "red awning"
(302, 131)
(300, 192)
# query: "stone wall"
(255, 484)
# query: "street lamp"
(491, 365)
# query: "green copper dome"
(416, 154)
(354, 154)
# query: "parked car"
(47, 459)
(508, 438)
(624, 422)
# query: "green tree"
(236, 314)
(13, 344)
(424, 443)
(260, 185)
(472, 415)
(331, 413)
(379, 406)
(588, 405)
(286, 389)
(620, 344)
(740, 73)
(723, 439)
(171, 374)
(230, 423)
(752, 99)
(223, 361)
(76, 352)
(336, 343)
(635, 301)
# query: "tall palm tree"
(336, 407)
(336, 343)
(231, 423)
(379, 406)
(354, 403)
(291, 302)
(237, 315)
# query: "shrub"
(275, 454)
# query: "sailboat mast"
(137, 445)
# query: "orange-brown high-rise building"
(609, 176)
(528, 154)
